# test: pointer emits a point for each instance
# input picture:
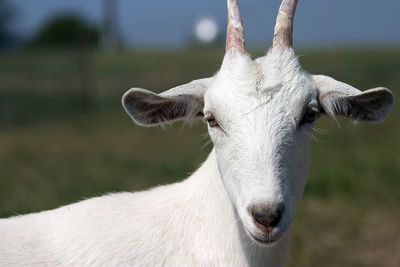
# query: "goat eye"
(212, 121)
(310, 116)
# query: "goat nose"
(266, 216)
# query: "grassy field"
(57, 149)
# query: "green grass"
(56, 148)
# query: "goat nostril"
(261, 219)
(267, 216)
(275, 218)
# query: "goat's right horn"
(234, 32)
(283, 32)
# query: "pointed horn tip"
(234, 17)
(235, 32)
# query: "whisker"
(320, 130)
(238, 219)
(206, 144)
(202, 137)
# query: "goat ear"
(338, 98)
(182, 102)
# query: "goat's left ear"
(182, 102)
(338, 98)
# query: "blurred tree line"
(67, 30)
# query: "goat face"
(260, 116)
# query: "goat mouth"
(266, 238)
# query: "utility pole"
(111, 35)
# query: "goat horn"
(283, 32)
(234, 32)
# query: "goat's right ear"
(338, 98)
(182, 102)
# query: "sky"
(170, 23)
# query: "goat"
(237, 208)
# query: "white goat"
(237, 208)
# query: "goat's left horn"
(234, 32)
(283, 32)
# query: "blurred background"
(64, 136)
